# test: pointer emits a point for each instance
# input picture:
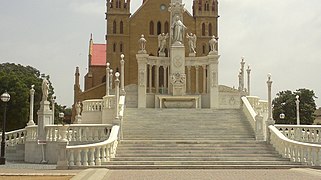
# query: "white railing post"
(117, 97)
(32, 95)
(122, 72)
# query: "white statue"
(45, 88)
(178, 29)
(213, 43)
(142, 41)
(78, 108)
(191, 42)
(162, 42)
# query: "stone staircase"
(192, 138)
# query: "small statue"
(178, 29)
(191, 42)
(142, 41)
(213, 43)
(162, 42)
(78, 108)
(45, 88)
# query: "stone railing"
(93, 105)
(302, 133)
(256, 120)
(78, 132)
(15, 137)
(300, 152)
(93, 154)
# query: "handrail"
(94, 154)
(302, 133)
(296, 151)
(255, 120)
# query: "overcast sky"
(281, 37)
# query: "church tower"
(206, 16)
(117, 37)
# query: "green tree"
(17, 81)
(285, 103)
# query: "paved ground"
(48, 172)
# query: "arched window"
(121, 47)
(203, 29)
(121, 30)
(210, 33)
(166, 27)
(151, 28)
(159, 27)
(117, 3)
(213, 6)
(114, 27)
(114, 47)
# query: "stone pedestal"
(108, 113)
(177, 70)
(44, 118)
(142, 79)
(213, 81)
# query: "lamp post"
(53, 99)
(297, 101)
(269, 83)
(5, 97)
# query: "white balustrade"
(302, 133)
(15, 137)
(94, 154)
(93, 105)
(78, 132)
(305, 153)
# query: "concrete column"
(270, 120)
(150, 78)
(242, 73)
(248, 80)
(189, 79)
(53, 98)
(196, 77)
(117, 94)
(204, 79)
(297, 102)
(111, 79)
(142, 79)
(32, 95)
(122, 72)
(107, 80)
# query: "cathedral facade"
(124, 30)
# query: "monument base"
(187, 101)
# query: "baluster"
(309, 158)
(84, 133)
(92, 157)
(95, 133)
(108, 152)
(85, 162)
(103, 154)
(74, 133)
(78, 160)
(98, 160)
(71, 158)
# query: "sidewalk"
(45, 171)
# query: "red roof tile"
(98, 57)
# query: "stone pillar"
(157, 79)
(111, 79)
(297, 102)
(270, 120)
(122, 72)
(32, 95)
(242, 74)
(248, 80)
(62, 161)
(142, 79)
(44, 118)
(189, 82)
(178, 77)
(204, 79)
(165, 78)
(53, 99)
(150, 77)
(213, 80)
(117, 98)
(196, 80)
(107, 79)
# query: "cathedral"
(124, 29)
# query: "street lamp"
(5, 97)
(297, 101)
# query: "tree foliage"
(17, 81)
(285, 103)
